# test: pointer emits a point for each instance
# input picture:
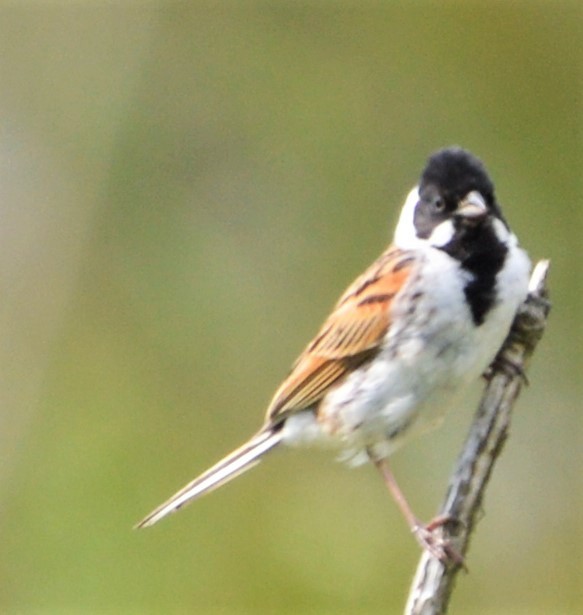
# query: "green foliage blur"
(185, 189)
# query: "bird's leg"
(425, 534)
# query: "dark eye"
(438, 205)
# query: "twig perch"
(433, 582)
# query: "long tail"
(239, 461)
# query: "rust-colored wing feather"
(349, 337)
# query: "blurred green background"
(185, 189)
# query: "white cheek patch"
(442, 234)
(405, 235)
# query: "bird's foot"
(506, 366)
(430, 537)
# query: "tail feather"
(239, 461)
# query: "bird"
(422, 323)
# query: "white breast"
(425, 361)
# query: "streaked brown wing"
(350, 336)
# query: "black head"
(454, 172)
(454, 210)
(450, 175)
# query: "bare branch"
(433, 582)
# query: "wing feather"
(349, 337)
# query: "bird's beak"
(472, 207)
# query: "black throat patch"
(482, 254)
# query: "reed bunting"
(423, 321)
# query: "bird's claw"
(431, 539)
(507, 366)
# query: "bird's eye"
(438, 205)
